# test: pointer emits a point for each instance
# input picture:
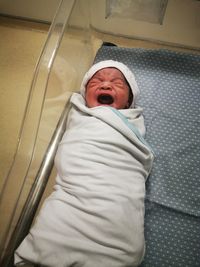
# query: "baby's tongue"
(105, 99)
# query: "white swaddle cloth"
(95, 216)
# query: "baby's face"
(107, 87)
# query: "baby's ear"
(130, 98)
(128, 105)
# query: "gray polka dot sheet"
(169, 84)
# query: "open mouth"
(105, 99)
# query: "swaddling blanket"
(95, 216)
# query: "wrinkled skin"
(107, 87)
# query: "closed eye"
(94, 81)
(118, 82)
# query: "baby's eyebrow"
(95, 78)
(118, 78)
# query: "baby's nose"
(106, 85)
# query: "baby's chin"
(113, 105)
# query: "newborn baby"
(95, 215)
(108, 87)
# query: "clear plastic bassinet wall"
(64, 59)
(79, 28)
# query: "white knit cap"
(112, 64)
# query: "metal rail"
(35, 195)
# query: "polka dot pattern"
(170, 95)
(172, 238)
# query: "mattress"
(169, 84)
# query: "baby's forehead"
(109, 71)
